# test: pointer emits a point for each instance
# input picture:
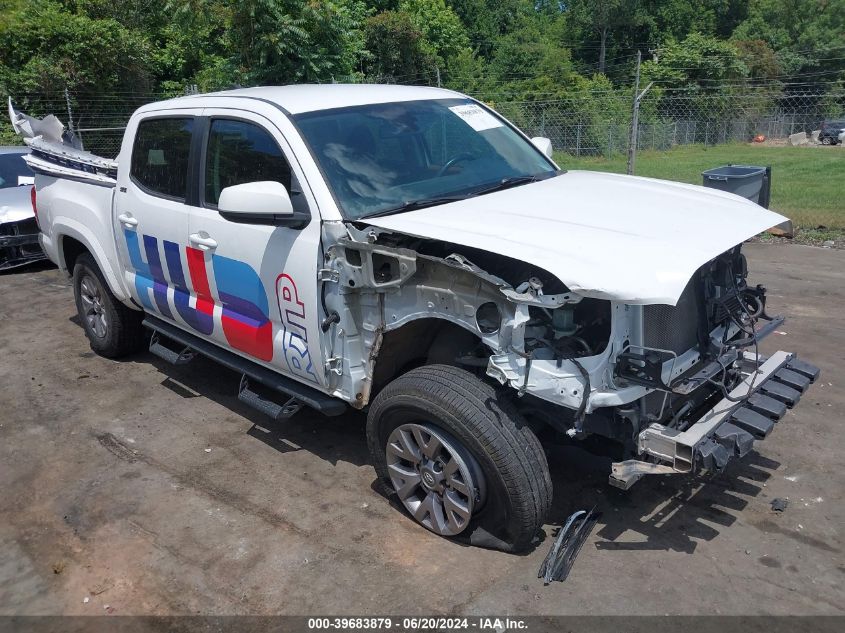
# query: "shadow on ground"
(661, 513)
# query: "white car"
(408, 252)
(18, 230)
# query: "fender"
(63, 226)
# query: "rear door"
(262, 279)
(151, 210)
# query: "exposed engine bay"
(580, 366)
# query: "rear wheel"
(460, 458)
(112, 329)
(827, 141)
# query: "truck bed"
(60, 160)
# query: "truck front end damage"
(679, 388)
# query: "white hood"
(637, 240)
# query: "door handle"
(203, 243)
(127, 219)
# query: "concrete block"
(798, 139)
(784, 229)
(814, 136)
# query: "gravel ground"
(149, 489)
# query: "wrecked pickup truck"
(407, 252)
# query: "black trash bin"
(749, 181)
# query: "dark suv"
(829, 133)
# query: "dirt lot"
(150, 489)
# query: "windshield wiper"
(506, 183)
(413, 205)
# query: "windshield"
(13, 171)
(383, 158)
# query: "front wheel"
(460, 458)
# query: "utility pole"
(69, 111)
(437, 68)
(70, 126)
(635, 116)
(635, 112)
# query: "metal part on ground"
(568, 542)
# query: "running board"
(265, 405)
(166, 354)
(308, 396)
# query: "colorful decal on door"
(246, 323)
(245, 316)
(292, 312)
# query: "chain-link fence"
(600, 124)
(589, 125)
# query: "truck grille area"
(673, 328)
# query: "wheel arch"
(72, 241)
(424, 340)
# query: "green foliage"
(698, 61)
(444, 36)
(285, 41)
(397, 49)
(47, 48)
(500, 50)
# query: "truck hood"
(637, 240)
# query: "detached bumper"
(730, 428)
(19, 244)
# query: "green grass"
(808, 183)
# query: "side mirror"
(543, 144)
(255, 200)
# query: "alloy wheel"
(435, 477)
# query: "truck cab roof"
(296, 99)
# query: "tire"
(493, 444)
(828, 141)
(112, 329)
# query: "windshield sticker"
(476, 117)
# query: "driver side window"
(240, 152)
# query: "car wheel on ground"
(112, 329)
(460, 458)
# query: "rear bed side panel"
(82, 211)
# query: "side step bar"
(265, 405)
(324, 403)
(166, 354)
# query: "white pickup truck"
(408, 252)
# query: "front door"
(260, 279)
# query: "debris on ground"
(86, 600)
(59, 567)
(779, 504)
(567, 544)
(207, 450)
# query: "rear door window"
(160, 156)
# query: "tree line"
(499, 50)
